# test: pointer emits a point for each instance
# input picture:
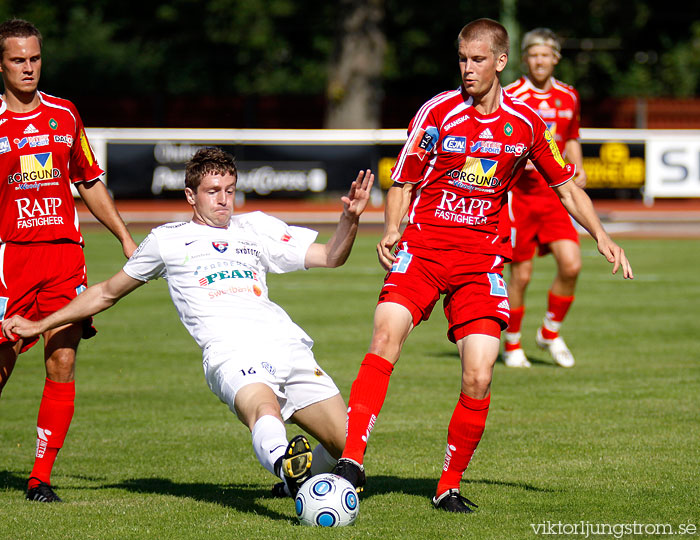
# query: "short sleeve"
(83, 164)
(546, 157)
(146, 263)
(420, 147)
(285, 246)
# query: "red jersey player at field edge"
(538, 220)
(43, 150)
(465, 149)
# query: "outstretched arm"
(579, 205)
(100, 203)
(92, 300)
(336, 251)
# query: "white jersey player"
(255, 359)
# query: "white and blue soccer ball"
(327, 500)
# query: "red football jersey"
(560, 109)
(464, 163)
(41, 153)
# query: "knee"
(520, 277)
(385, 343)
(60, 365)
(477, 384)
(570, 269)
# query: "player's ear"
(501, 62)
(189, 195)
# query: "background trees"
(386, 55)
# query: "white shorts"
(288, 368)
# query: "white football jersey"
(217, 277)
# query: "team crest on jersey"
(220, 245)
(35, 167)
(508, 129)
(477, 173)
(5, 145)
(53, 124)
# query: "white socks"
(269, 441)
(322, 461)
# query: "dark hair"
(17, 28)
(487, 29)
(208, 160)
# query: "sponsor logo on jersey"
(220, 245)
(424, 141)
(487, 147)
(65, 139)
(517, 149)
(35, 167)
(5, 145)
(565, 113)
(33, 142)
(30, 129)
(477, 173)
(465, 210)
(454, 144)
(3, 121)
(38, 212)
(545, 111)
(486, 134)
(457, 122)
(248, 251)
(85, 145)
(553, 148)
(226, 274)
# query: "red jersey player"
(43, 150)
(539, 221)
(465, 149)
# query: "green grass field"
(152, 453)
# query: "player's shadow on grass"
(534, 360)
(239, 497)
(12, 480)
(425, 487)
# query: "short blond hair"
(487, 29)
(541, 36)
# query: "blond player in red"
(539, 222)
(43, 151)
(465, 149)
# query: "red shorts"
(538, 221)
(473, 286)
(38, 279)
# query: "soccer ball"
(327, 500)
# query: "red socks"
(512, 333)
(55, 414)
(366, 399)
(463, 435)
(557, 308)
